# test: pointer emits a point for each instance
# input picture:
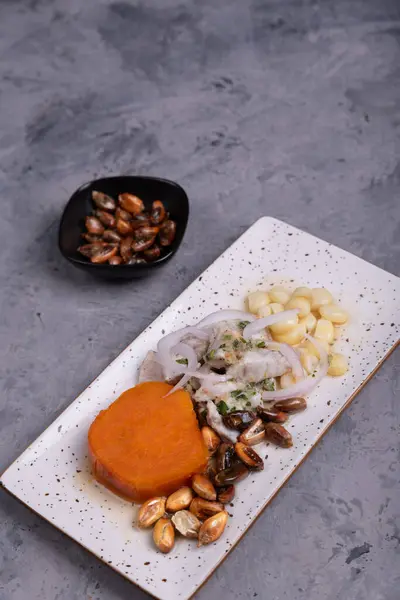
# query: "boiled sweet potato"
(145, 444)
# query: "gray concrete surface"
(257, 107)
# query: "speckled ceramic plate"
(52, 476)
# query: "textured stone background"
(257, 107)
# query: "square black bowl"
(148, 189)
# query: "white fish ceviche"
(247, 373)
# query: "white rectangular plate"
(52, 476)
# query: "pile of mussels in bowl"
(123, 227)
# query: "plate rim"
(263, 507)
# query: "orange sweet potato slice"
(147, 445)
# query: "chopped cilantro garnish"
(182, 361)
(222, 407)
(236, 344)
(269, 385)
(243, 324)
(211, 354)
(227, 336)
(260, 344)
(248, 403)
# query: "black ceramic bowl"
(148, 189)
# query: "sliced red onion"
(164, 355)
(259, 324)
(191, 357)
(225, 315)
(208, 377)
(303, 388)
(291, 356)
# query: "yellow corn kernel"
(284, 325)
(333, 312)
(256, 300)
(303, 292)
(320, 296)
(286, 380)
(310, 322)
(302, 304)
(276, 307)
(337, 365)
(324, 331)
(264, 311)
(279, 294)
(292, 336)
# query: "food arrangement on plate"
(123, 232)
(183, 438)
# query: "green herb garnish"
(243, 324)
(227, 336)
(182, 361)
(222, 407)
(260, 344)
(211, 354)
(269, 385)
